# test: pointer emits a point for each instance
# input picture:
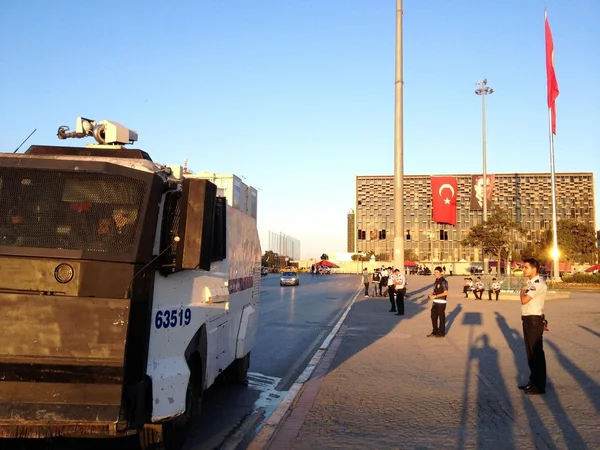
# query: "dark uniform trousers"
(383, 283)
(533, 328)
(438, 311)
(391, 293)
(400, 300)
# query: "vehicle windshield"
(69, 211)
(289, 274)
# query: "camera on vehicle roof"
(106, 132)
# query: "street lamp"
(484, 90)
(362, 261)
(398, 256)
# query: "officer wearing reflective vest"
(438, 309)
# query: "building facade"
(526, 196)
(351, 232)
(284, 246)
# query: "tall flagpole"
(552, 85)
(398, 150)
(555, 253)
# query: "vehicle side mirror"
(198, 200)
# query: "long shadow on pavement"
(589, 330)
(493, 408)
(370, 320)
(587, 383)
(450, 317)
(539, 431)
(428, 287)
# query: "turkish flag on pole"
(443, 199)
(550, 74)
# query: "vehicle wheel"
(151, 437)
(172, 435)
(239, 369)
(280, 284)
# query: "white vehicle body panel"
(224, 300)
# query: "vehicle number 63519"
(171, 318)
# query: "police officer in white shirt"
(400, 290)
(479, 289)
(533, 296)
(494, 289)
(467, 286)
(390, 285)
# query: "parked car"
(289, 279)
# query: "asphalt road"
(294, 320)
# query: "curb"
(552, 295)
(264, 436)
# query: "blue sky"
(297, 96)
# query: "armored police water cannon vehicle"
(127, 287)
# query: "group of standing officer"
(532, 297)
(393, 280)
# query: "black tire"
(239, 369)
(151, 437)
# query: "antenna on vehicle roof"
(30, 134)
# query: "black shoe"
(392, 310)
(399, 314)
(433, 334)
(526, 387)
(535, 391)
(440, 335)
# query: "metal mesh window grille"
(69, 210)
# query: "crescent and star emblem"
(446, 186)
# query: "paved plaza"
(384, 384)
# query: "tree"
(360, 257)
(325, 256)
(495, 234)
(409, 254)
(515, 255)
(576, 241)
(268, 259)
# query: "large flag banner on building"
(477, 191)
(551, 74)
(443, 199)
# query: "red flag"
(550, 74)
(443, 199)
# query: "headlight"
(63, 273)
